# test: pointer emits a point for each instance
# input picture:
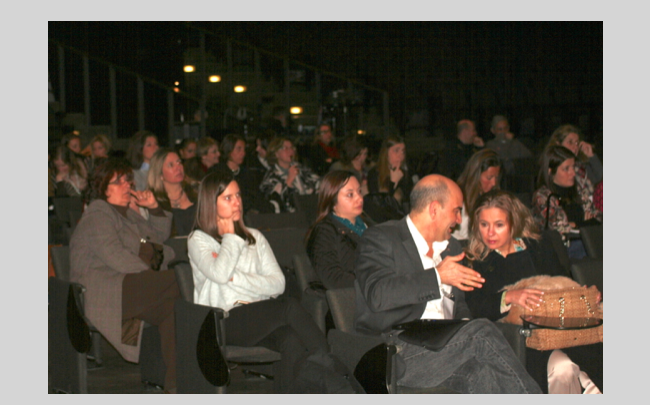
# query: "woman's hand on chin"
(225, 225)
(145, 199)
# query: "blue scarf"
(358, 227)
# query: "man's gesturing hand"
(453, 273)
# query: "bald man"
(410, 269)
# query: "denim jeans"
(477, 360)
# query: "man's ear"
(434, 209)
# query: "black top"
(183, 220)
(332, 250)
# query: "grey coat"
(103, 249)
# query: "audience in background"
(72, 141)
(233, 153)
(286, 176)
(323, 152)
(482, 174)
(69, 173)
(207, 155)
(354, 153)
(100, 147)
(187, 149)
(456, 155)
(588, 166)
(166, 179)
(558, 203)
(504, 143)
(389, 182)
(142, 145)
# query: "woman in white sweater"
(234, 269)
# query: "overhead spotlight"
(240, 89)
(176, 83)
(188, 68)
(177, 90)
(296, 110)
(361, 132)
(215, 78)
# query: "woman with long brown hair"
(333, 238)
(389, 182)
(234, 269)
(481, 174)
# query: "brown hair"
(103, 173)
(559, 135)
(522, 224)
(328, 193)
(383, 169)
(470, 179)
(211, 187)
(136, 144)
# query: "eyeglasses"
(291, 147)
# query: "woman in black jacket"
(332, 240)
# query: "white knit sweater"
(255, 273)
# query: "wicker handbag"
(568, 302)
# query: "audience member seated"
(142, 145)
(389, 182)
(505, 247)
(504, 143)
(558, 203)
(167, 181)
(72, 141)
(234, 269)
(323, 152)
(408, 270)
(233, 152)
(69, 173)
(598, 196)
(354, 154)
(118, 256)
(286, 177)
(333, 238)
(187, 149)
(257, 162)
(588, 166)
(100, 147)
(482, 174)
(460, 150)
(207, 155)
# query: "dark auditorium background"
(539, 74)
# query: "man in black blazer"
(393, 287)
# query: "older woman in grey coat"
(117, 254)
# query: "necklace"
(177, 202)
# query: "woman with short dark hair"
(120, 259)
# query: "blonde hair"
(522, 224)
